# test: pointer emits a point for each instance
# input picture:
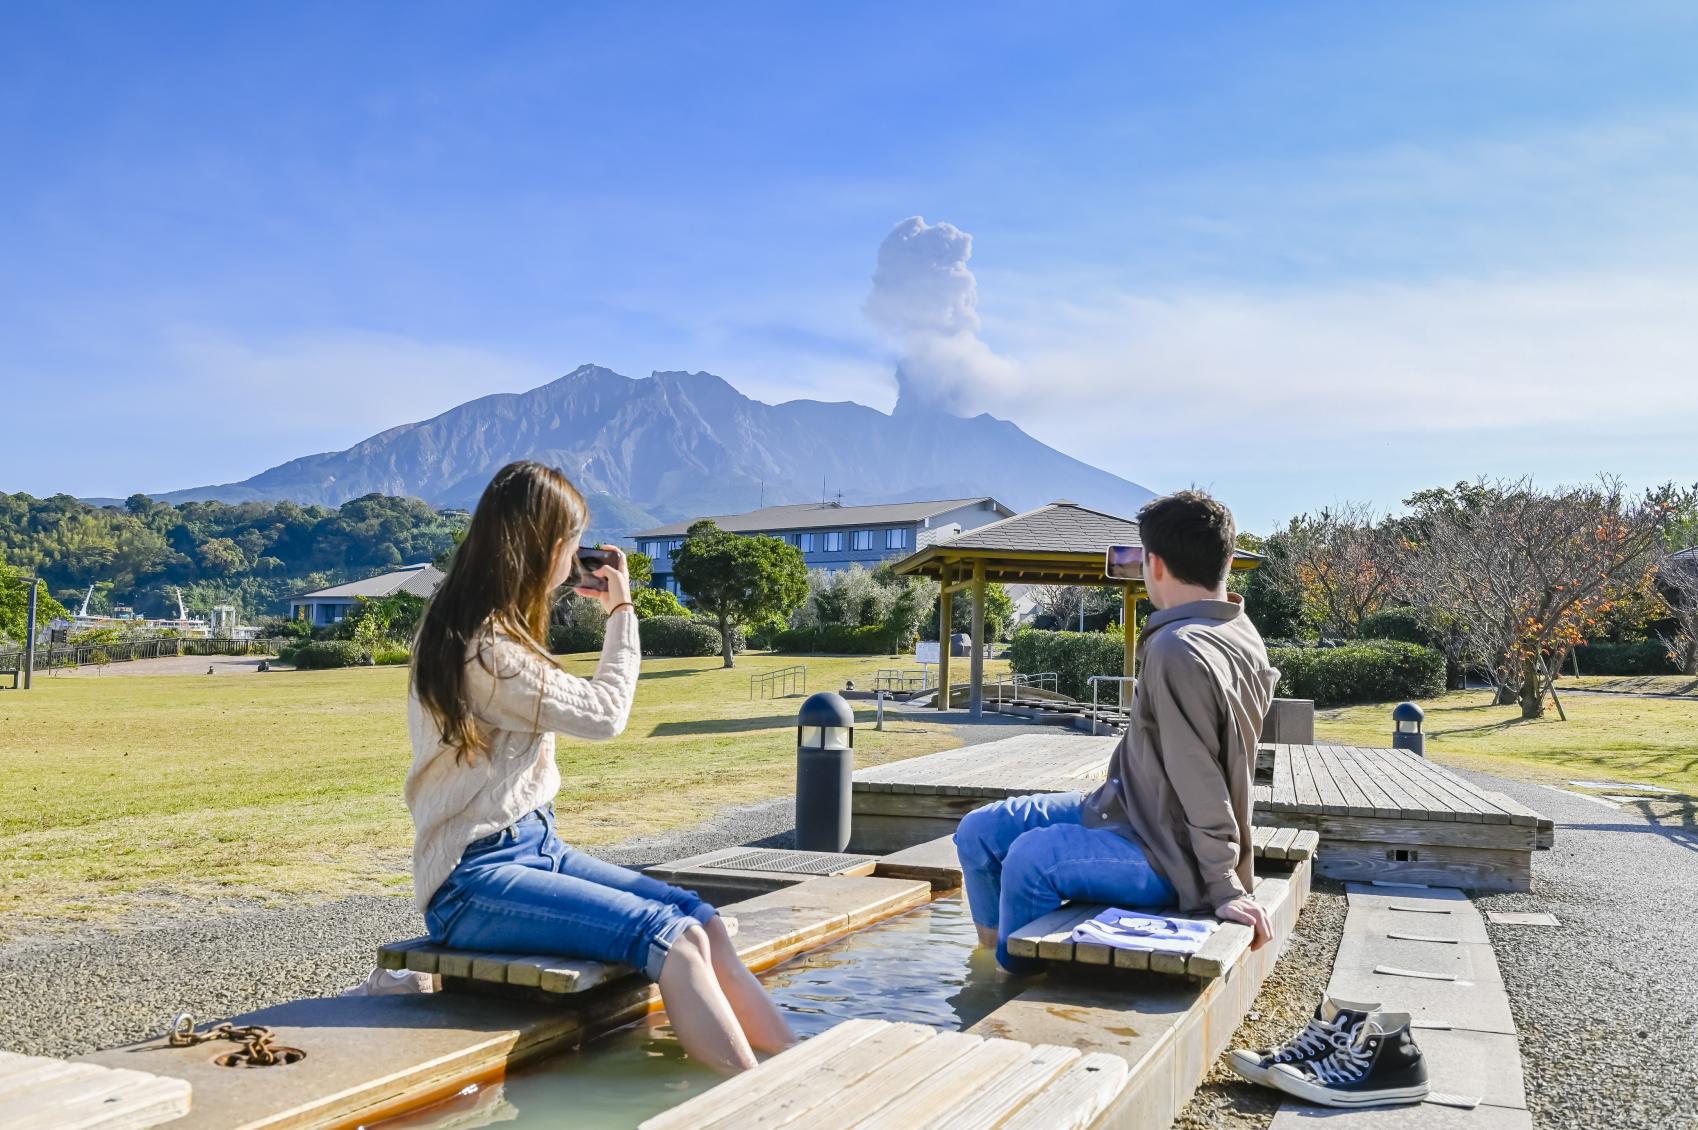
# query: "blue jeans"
(1023, 857)
(521, 890)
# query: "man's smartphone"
(589, 560)
(1124, 563)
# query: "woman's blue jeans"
(521, 890)
(1023, 857)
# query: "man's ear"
(1155, 569)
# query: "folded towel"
(1153, 933)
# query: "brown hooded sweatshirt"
(1179, 781)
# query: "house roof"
(1059, 543)
(824, 515)
(420, 580)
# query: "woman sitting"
(489, 872)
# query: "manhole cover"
(1522, 918)
(791, 862)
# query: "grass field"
(1649, 740)
(1634, 684)
(123, 794)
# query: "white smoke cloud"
(925, 300)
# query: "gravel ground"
(72, 993)
(1603, 1002)
(1283, 1007)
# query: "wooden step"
(879, 1075)
(40, 1093)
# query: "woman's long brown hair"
(498, 577)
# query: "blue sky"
(1298, 252)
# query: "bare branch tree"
(1677, 581)
(1343, 563)
(1526, 572)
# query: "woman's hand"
(618, 589)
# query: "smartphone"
(1124, 563)
(589, 560)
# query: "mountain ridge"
(677, 444)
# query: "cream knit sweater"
(520, 701)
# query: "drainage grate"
(791, 862)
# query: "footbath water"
(918, 966)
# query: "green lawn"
(1633, 684)
(121, 794)
(1649, 740)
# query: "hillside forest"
(254, 555)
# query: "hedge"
(1635, 657)
(330, 653)
(1367, 671)
(835, 639)
(684, 636)
(1073, 656)
(566, 639)
(1399, 623)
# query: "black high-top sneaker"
(1380, 1067)
(1334, 1025)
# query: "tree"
(1274, 607)
(1526, 572)
(1342, 564)
(656, 602)
(14, 605)
(1677, 581)
(738, 579)
(640, 567)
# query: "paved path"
(222, 665)
(1603, 1002)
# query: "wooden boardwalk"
(1380, 813)
(872, 1074)
(39, 1093)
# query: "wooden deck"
(1381, 813)
(39, 1093)
(872, 1074)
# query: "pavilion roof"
(1059, 543)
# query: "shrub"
(836, 639)
(1405, 624)
(391, 655)
(683, 636)
(564, 639)
(1073, 656)
(286, 652)
(329, 653)
(1633, 657)
(763, 634)
(650, 603)
(1366, 671)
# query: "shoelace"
(1318, 1037)
(1347, 1064)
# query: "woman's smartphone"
(589, 560)
(1124, 563)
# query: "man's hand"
(1248, 911)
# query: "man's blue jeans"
(521, 890)
(1023, 857)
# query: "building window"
(805, 542)
(861, 539)
(674, 545)
(834, 541)
(896, 539)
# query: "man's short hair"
(1193, 533)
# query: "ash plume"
(925, 300)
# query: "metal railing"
(1043, 680)
(99, 654)
(897, 679)
(1094, 680)
(781, 683)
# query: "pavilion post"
(945, 622)
(1129, 606)
(976, 696)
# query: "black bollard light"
(825, 764)
(1406, 728)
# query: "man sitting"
(1171, 824)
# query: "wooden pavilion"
(1062, 543)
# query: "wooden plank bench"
(40, 1093)
(878, 1075)
(541, 972)
(1050, 938)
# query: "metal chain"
(255, 1039)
